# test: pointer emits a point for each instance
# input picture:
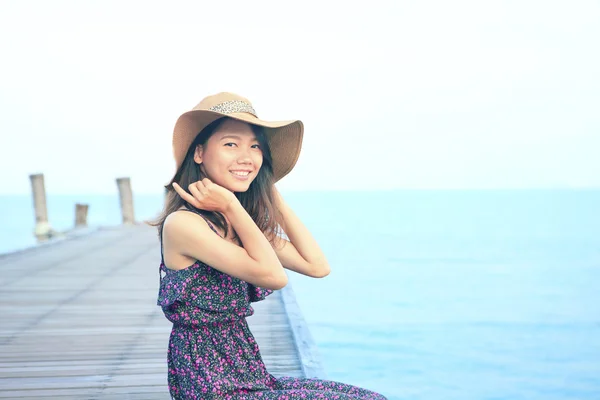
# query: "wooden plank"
(308, 354)
(80, 320)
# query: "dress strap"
(162, 255)
(210, 225)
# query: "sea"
(433, 294)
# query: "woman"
(222, 248)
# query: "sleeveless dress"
(213, 355)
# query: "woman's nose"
(244, 156)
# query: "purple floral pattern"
(213, 355)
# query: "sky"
(393, 94)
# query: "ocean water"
(433, 294)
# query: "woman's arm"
(301, 253)
(189, 235)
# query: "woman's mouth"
(240, 175)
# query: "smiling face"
(232, 156)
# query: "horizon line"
(448, 189)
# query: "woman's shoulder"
(185, 220)
(182, 216)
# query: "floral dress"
(213, 355)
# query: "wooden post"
(42, 231)
(81, 212)
(126, 197)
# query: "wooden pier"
(78, 320)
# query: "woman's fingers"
(206, 195)
(185, 195)
(198, 195)
(201, 188)
(182, 193)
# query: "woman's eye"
(232, 144)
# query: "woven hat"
(284, 137)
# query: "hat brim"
(284, 137)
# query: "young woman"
(222, 248)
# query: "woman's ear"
(198, 154)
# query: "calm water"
(434, 294)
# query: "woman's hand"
(299, 252)
(206, 195)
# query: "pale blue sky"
(393, 94)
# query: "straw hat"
(284, 137)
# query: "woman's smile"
(241, 175)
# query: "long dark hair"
(257, 200)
